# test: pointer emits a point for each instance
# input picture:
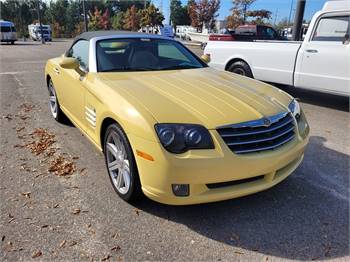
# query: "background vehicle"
(34, 32)
(7, 32)
(320, 62)
(248, 33)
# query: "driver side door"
(73, 83)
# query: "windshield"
(138, 54)
(5, 29)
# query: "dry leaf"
(63, 243)
(115, 248)
(37, 253)
(107, 257)
(137, 211)
(62, 167)
(76, 211)
(73, 243)
(26, 194)
(8, 117)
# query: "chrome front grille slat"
(259, 135)
(271, 128)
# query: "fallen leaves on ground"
(26, 107)
(61, 166)
(43, 140)
(36, 253)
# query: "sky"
(280, 8)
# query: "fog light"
(181, 189)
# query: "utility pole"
(298, 20)
(39, 18)
(85, 18)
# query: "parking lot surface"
(47, 215)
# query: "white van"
(7, 32)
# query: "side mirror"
(69, 63)
(346, 39)
(206, 58)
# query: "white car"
(321, 62)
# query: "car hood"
(202, 96)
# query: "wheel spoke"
(53, 99)
(113, 166)
(119, 180)
(113, 150)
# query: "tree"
(260, 16)
(241, 6)
(203, 12)
(192, 12)
(99, 21)
(117, 21)
(235, 19)
(178, 14)
(131, 19)
(151, 16)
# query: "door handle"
(311, 50)
(57, 71)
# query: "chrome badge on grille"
(267, 122)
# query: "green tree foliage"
(117, 21)
(151, 16)
(179, 14)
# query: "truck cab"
(7, 32)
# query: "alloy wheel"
(118, 163)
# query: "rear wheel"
(55, 109)
(241, 68)
(121, 164)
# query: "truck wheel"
(241, 68)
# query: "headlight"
(179, 138)
(294, 107)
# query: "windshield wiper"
(179, 67)
(128, 69)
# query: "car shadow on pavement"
(318, 98)
(305, 217)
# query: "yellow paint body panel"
(139, 100)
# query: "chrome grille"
(259, 135)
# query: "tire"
(54, 106)
(241, 68)
(121, 164)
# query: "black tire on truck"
(241, 68)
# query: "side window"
(331, 29)
(169, 51)
(80, 51)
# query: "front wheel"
(55, 108)
(241, 68)
(121, 164)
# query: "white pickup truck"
(321, 62)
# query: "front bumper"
(198, 168)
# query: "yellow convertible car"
(171, 127)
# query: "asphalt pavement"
(47, 215)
